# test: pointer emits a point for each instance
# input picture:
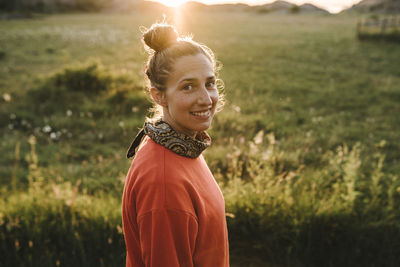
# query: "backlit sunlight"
(172, 3)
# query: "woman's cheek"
(215, 97)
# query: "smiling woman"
(173, 210)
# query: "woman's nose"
(204, 97)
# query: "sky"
(333, 6)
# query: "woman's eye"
(187, 87)
(210, 84)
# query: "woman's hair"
(165, 46)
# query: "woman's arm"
(167, 237)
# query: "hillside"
(286, 7)
(279, 5)
(385, 6)
(310, 8)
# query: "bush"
(294, 9)
(127, 100)
(88, 79)
(68, 89)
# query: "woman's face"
(191, 95)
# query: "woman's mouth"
(201, 114)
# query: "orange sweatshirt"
(173, 211)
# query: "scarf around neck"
(163, 134)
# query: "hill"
(279, 6)
(286, 7)
(384, 6)
(310, 8)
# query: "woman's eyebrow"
(188, 80)
(195, 79)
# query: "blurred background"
(306, 150)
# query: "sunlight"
(177, 18)
(172, 3)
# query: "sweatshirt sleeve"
(167, 237)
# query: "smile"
(202, 113)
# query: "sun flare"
(172, 3)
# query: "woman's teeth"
(204, 113)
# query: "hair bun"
(160, 36)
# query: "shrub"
(88, 79)
(126, 100)
(75, 87)
(263, 10)
(294, 9)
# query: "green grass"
(306, 149)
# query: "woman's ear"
(158, 96)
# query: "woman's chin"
(202, 126)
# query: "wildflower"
(46, 129)
(242, 140)
(121, 124)
(230, 215)
(53, 136)
(32, 140)
(259, 137)
(382, 144)
(236, 108)
(69, 113)
(135, 109)
(7, 97)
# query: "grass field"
(306, 150)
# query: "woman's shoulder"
(147, 148)
(149, 159)
(157, 179)
(155, 163)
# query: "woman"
(173, 210)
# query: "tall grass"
(54, 223)
(336, 216)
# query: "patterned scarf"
(162, 133)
